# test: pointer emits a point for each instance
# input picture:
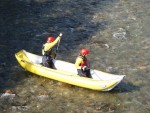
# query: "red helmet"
(84, 51)
(50, 39)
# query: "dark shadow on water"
(27, 24)
(125, 87)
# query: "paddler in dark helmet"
(48, 53)
(82, 64)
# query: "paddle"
(58, 45)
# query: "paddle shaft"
(57, 48)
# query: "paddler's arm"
(52, 44)
(78, 62)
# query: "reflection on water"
(116, 33)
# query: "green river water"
(117, 34)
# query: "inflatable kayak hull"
(67, 73)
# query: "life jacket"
(47, 53)
(85, 61)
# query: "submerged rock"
(21, 108)
(42, 97)
(8, 94)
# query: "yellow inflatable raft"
(67, 73)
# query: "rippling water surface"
(115, 31)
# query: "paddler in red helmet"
(82, 64)
(47, 51)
